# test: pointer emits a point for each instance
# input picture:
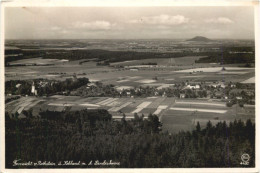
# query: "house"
(65, 92)
(222, 85)
(218, 94)
(42, 84)
(232, 85)
(18, 85)
(122, 88)
(239, 98)
(133, 69)
(182, 96)
(128, 93)
(137, 89)
(250, 93)
(91, 84)
(192, 86)
(164, 94)
(213, 85)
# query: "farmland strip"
(104, 101)
(108, 102)
(159, 109)
(141, 107)
(199, 110)
(89, 104)
(33, 104)
(199, 103)
(115, 109)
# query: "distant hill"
(199, 38)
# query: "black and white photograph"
(129, 87)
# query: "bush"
(229, 104)
(241, 104)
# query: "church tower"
(33, 88)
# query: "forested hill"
(200, 38)
(91, 135)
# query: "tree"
(123, 121)
(155, 124)
(229, 104)
(198, 127)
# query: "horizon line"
(213, 39)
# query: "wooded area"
(92, 135)
(224, 56)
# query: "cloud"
(96, 25)
(55, 28)
(220, 20)
(162, 20)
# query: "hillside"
(199, 38)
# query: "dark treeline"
(92, 135)
(99, 90)
(100, 55)
(116, 56)
(149, 63)
(12, 87)
(43, 86)
(231, 55)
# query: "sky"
(129, 22)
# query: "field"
(250, 80)
(228, 70)
(57, 71)
(175, 114)
(188, 60)
(158, 76)
(37, 61)
(185, 114)
(24, 103)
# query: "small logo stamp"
(245, 159)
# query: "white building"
(239, 98)
(133, 69)
(182, 96)
(18, 85)
(222, 85)
(34, 91)
(192, 86)
(33, 88)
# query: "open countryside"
(137, 107)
